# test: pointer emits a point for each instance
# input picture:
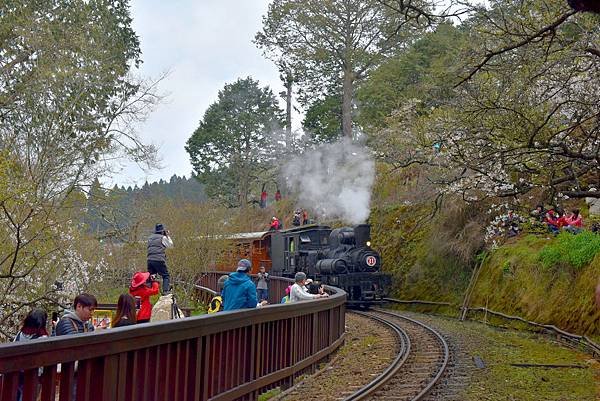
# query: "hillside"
(547, 280)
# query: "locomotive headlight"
(368, 243)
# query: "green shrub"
(573, 250)
(506, 267)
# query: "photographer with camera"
(143, 285)
(300, 293)
(158, 242)
(262, 285)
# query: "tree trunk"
(245, 173)
(241, 191)
(347, 96)
(288, 111)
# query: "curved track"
(419, 365)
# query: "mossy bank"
(545, 279)
(539, 277)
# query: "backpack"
(216, 304)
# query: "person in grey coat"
(158, 242)
(78, 321)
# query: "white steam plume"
(334, 180)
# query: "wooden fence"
(224, 356)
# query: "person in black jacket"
(34, 326)
(78, 321)
(125, 315)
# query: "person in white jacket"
(298, 291)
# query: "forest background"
(465, 111)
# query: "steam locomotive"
(340, 257)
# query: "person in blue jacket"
(239, 291)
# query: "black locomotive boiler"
(340, 257)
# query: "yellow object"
(215, 304)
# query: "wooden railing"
(223, 356)
(187, 311)
(277, 286)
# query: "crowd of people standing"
(299, 218)
(143, 286)
(235, 291)
(238, 291)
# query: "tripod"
(175, 312)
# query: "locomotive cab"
(298, 248)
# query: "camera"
(152, 278)
(314, 288)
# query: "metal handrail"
(582, 340)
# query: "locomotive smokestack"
(362, 234)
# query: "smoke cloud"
(334, 180)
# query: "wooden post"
(470, 288)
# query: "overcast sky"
(203, 44)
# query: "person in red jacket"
(574, 222)
(574, 219)
(144, 286)
(562, 219)
(263, 199)
(552, 220)
(275, 224)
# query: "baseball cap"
(243, 265)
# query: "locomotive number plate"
(371, 261)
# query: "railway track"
(420, 363)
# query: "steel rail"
(440, 339)
(395, 366)
(391, 370)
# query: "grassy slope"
(515, 281)
(419, 271)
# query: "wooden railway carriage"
(252, 246)
(340, 257)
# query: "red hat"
(139, 278)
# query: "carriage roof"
(262, 234)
